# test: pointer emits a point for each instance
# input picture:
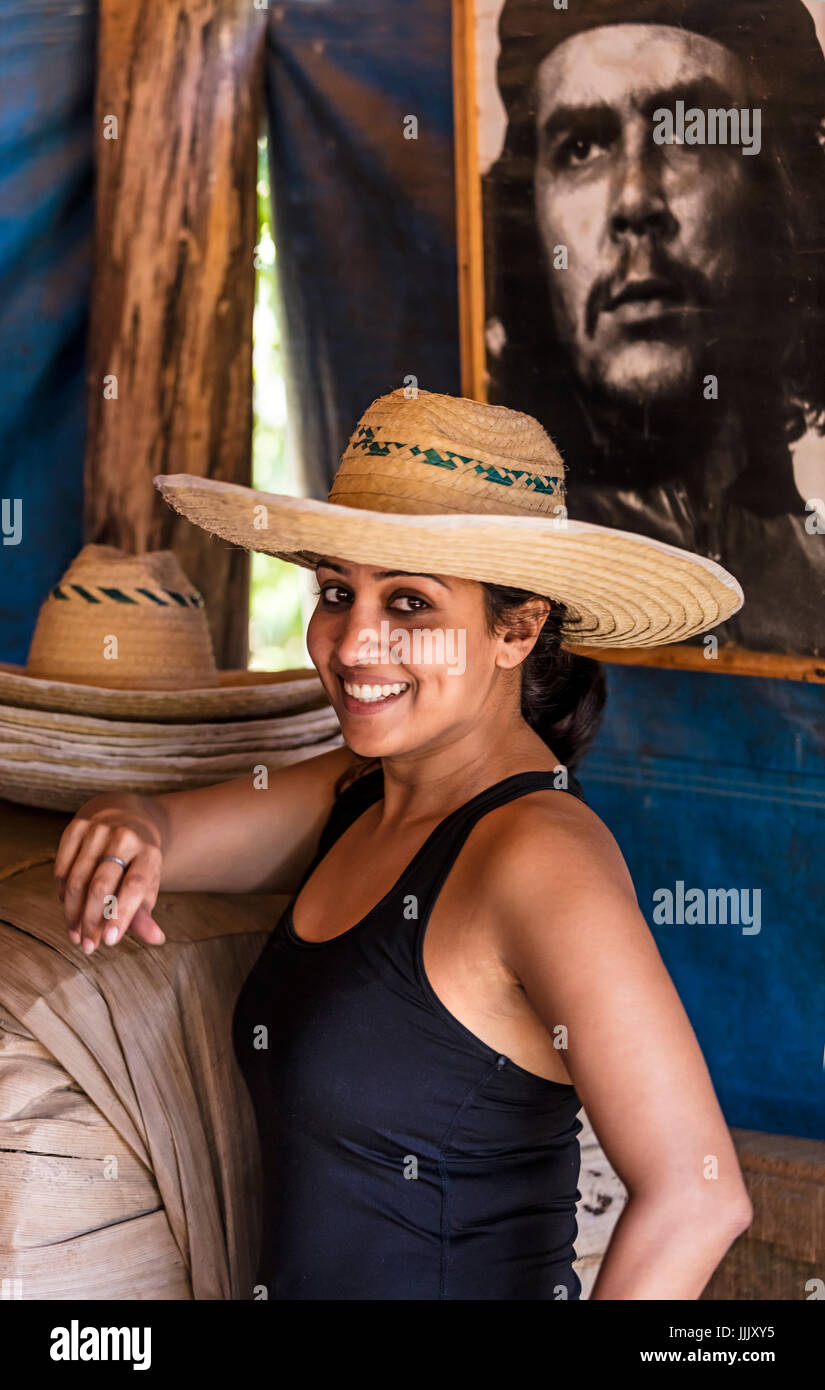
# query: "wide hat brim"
(57, 760)
(63, 777)
(621, 589)
(238, 695)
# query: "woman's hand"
(86, 886)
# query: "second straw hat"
(126, 637)
(127, 622)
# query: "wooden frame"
(729, 659)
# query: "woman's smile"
(366, 697)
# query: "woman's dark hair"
(563, 695)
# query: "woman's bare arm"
(236, 838)
(573, 933)
(233, 837)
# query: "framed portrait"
(641, 248)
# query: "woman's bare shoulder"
(569, 929)
(557, 840)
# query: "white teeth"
(371, 693)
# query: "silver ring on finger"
(113, 859)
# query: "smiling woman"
(454, 972)
(562, 694)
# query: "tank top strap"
(437, 855)
(346, 808)
(441, 851)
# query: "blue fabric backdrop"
(47, 59)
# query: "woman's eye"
(413, 598)
(325, 590)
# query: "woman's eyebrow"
(386, 574)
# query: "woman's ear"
(521, 636)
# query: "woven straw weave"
(151, 616)
(238, 695)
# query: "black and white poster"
(649, 184)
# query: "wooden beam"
(177, 118)
(731, 660)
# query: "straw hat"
(104, 701)
(447, 485)
(126, 636)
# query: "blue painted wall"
(717, 781)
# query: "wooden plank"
(783, 1249)
(174, 282)
(729, 660)
(785, 1156)
(753, 1272)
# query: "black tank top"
(403, 1158)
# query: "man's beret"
(775, 39)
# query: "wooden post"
(169, 356)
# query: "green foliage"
(276, 626)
